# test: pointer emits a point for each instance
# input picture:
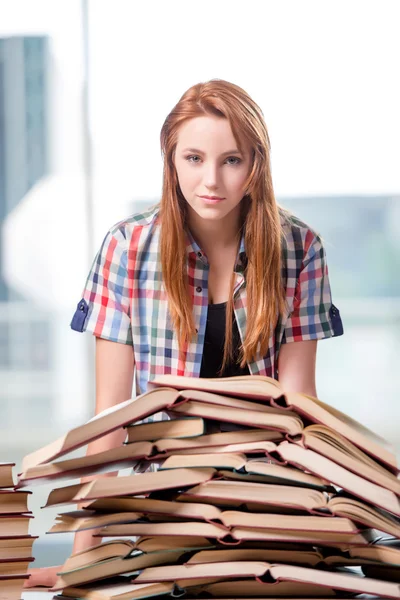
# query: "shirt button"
(198, 289)
(199, 254)
(197, 331)
(81, 307)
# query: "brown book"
(175, 428)
(13, 502)
(256, 497)
(11, 586)
(100, 462)
(268, 471)
(152, 506)
(107, 421)
(338, 475)
(210, 513)
(6, 475)
(252, 415)
(114, 566)
(380, 553)
(120, 548)
(270, 573)
(322, 440)
(16, 547)
(14, 525)
(134, 453)
(81, 520)
(226, 492)
(129, 485)
(164, 399)
(257, 387)
(265, 389)
(15, 567)
(305, 557)
(252, 588)
(239, 533)
(118, 591)
(222, 440)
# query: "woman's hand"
(46, 577)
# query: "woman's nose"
(211, 176)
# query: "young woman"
(216, 280)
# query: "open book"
(331, 444)
(265, 389)
(249, 441)
(87, 519)
(164, 399)
(268, 574)
(338, 475)
(115, 566)
(266, 472)
(259, 497)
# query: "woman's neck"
(212, 235)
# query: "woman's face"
(207, 165)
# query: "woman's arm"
(296, 367)
(114, 377)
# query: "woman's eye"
(235, 158)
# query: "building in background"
(24, 160)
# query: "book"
(93, 464)
(222, 439)
(105, 422)
(81, 520)
(239, 463)
(15, 567)
(11, 586)
(358, 486)
(12, 501)
(249, 414)
(237, 534)
(120, 548)
(164, 399)
(129, 485)
(254, 441)
(265, 389)
(14, 525)
(114, 566)
(175, 428)
(118, 591)
(256, 496)
(268, 574)
(334, 446)
(16, 547)
(6, 475)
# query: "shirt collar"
(193, 248)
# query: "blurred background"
(84, 89)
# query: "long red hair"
(261, 220)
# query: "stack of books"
(15, 541)
(245, 492)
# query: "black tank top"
(214, 345)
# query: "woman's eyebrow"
(234, 151)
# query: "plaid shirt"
(124, 299)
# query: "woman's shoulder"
(296, 232)
(140, 222)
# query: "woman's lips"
(209, 200)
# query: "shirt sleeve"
(313, 316)
(104, 308)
